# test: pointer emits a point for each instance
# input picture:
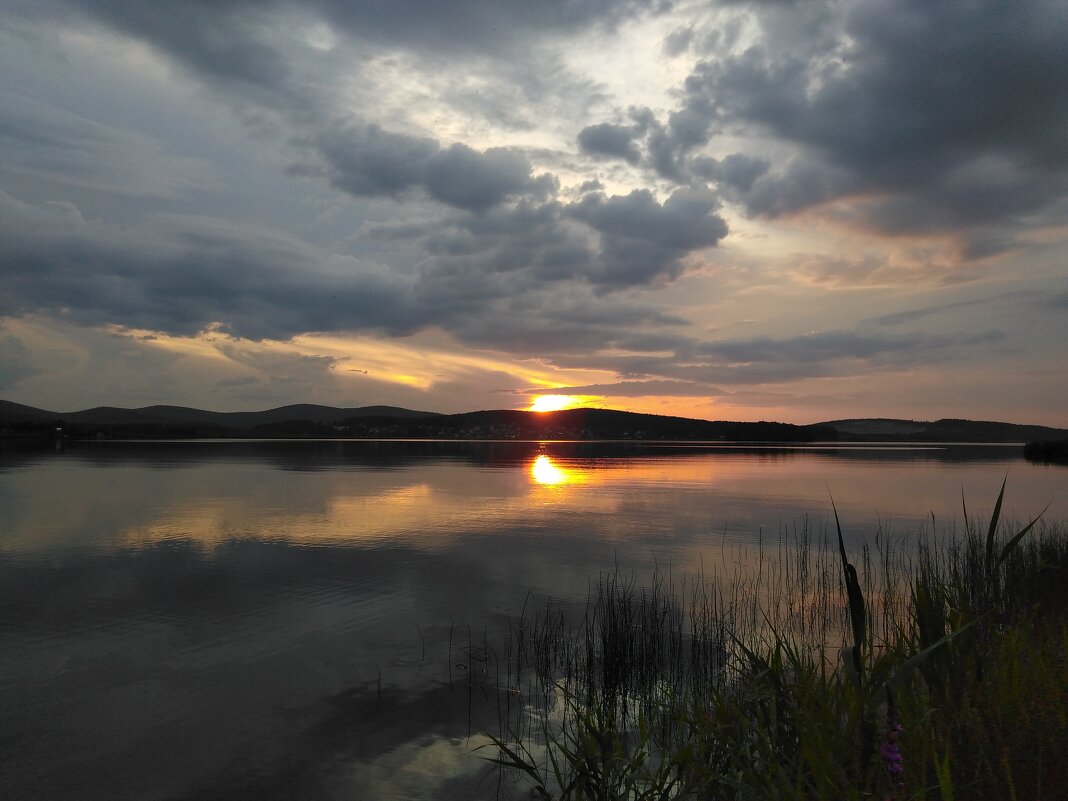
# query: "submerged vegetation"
(934, 671)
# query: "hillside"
(306, 420)
(179, 421)
(315, 421)
(581, 424)
(946, 430)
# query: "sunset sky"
(797, 211)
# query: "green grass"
(808, 677)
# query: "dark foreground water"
(311, 620)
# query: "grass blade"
(910, 667)
(993, 528)
(857, 612)
(1012, 543)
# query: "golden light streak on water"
(545, 471)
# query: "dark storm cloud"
(180, 275)
(230, 41)
(609, 242)
(368, 161)
(565, 319)
(477, 26)
(611, 141)
(945, 115)
(235, 41)
(463, 178)
(666, 145)
(514, 248)
(520, 285)
(43, 143)
(737, 171)
(643, 241)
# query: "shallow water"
(307, 620)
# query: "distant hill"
(149, 421)
(947, 430)
(1052, 451)
(581, 424)
(305, 420)
(15, 413)
(309, 420)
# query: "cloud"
(610, 141)
(311, 367)
(1057, 301)
(639, 389)
(607, 242)
(944, 116)
(496, 27)
(942, 310)
(229, 43)
(463, 178)
(767, 360)
(247, 47)
(46, 144)
(506, 251)
(832, 345)
(15, 362)
(678, 42)
(560, 320)
(451, 179)
(737, 171)
(368, 161)
(875, 270)
(685, 221)
(183, 274)
(519, 285)
(643, 241)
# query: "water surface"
(305, 620)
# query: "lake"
(311, 620)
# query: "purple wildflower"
(891, 754)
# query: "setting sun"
(554, 403)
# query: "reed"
(934, 670)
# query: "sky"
(763, 210)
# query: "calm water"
(304, 620)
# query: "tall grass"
(933, 668)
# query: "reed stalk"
(806, 677)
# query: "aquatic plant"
(936, 674)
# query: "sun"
(554, 403)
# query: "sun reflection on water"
(545, 472)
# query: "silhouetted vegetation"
(323, 422)
(931, 672)
(309, 421)
(581, 424)
(947, 430)
(1055, 451)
